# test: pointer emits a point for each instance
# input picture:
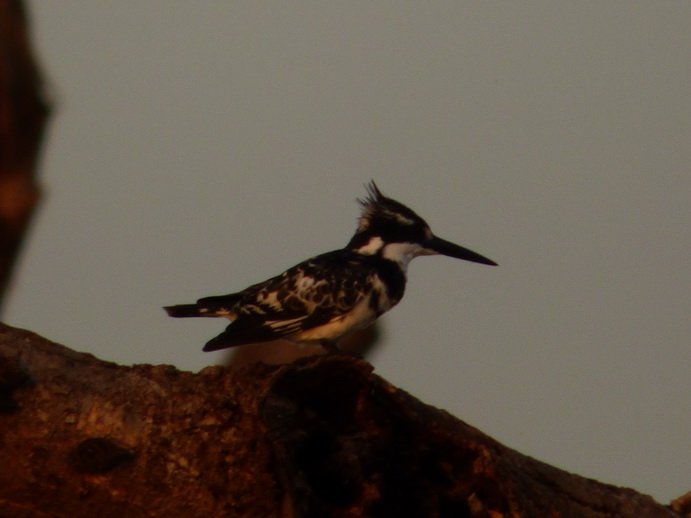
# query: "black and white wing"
(306, 296)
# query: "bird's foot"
(332, 348)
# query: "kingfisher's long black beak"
(444, 247)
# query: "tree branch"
(322, 437)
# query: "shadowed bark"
(322, 437)
(23, 113)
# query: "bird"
(322, 299)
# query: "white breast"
(360, 316)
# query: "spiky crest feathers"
(386, 218)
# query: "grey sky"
(199, 147)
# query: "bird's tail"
(184, 311)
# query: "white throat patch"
(403, 253)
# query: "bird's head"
(389, 228)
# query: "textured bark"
(23, 113)
(322, 437)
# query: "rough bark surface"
(23, 113)
(322, 437)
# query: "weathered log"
(321, 437)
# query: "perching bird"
(324, 298)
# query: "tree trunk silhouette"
(321, 437)
(23, 113)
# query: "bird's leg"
(332, 347)
(329, 345)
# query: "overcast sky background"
(199, 147)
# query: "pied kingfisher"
(324, 298)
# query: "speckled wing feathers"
(308, 295)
